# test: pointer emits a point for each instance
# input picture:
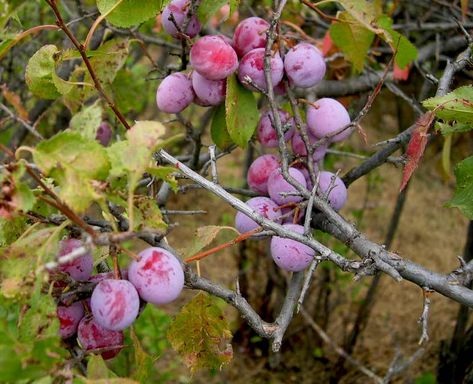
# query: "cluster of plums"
(215, 57)
(279, 200)
(156, 278)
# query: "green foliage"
(126, 13)
(76, 164)
(208, 8)
(200, 334)
(241, 112)
(463, 198)
(352, 38)
(128, 87)
(454, 106)
(150, 217)
(218, 129)
(39, 73)
(447, 129)
(426, 378)
(87, 121)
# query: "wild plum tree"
(85, 179)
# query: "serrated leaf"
(454, 106)
(241, 112)
(218, 129)
(200, 334)
(207, 8)
(406, 51)
(204, 236)
(11, 229)
(87, 121)
(127, 13)
(39, 73)
(352, 38)
(416, 146)
(463, 197)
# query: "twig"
(213, 163)
(424, 318)
(25, 124)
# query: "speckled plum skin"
(266, 133)
(277, 184)
(338, 194)
(328, 118)
(249, 34)
(157, 276)
(115, 304)
(299, 149)
(259, 172)
(69, 318)
(93, 336)
(175, 93)
(213, 57)
(304, 65)
(291, 255)
(80, 268)
(252, 65)
(208, 92)
(179, 9)
(262, 205)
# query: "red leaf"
(327, 44)
(401, 74)
(416, 146)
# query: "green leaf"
(108, 60)
(151, 216)
(128, 88)
(39, 73)
(241, 112)
(96, 368)
(87, 121)
(207, 8)
(11, 229)
(406, 51)
(463, 197)
(200, 334)
(69, 149)
(76, 164)
(454, 106)
(352, 38)
(128, 12)
(218, 129)
(146, 134)
(143, 361)
(204, 236)
(447, 129)
(164, 173)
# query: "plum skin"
(262, 205)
